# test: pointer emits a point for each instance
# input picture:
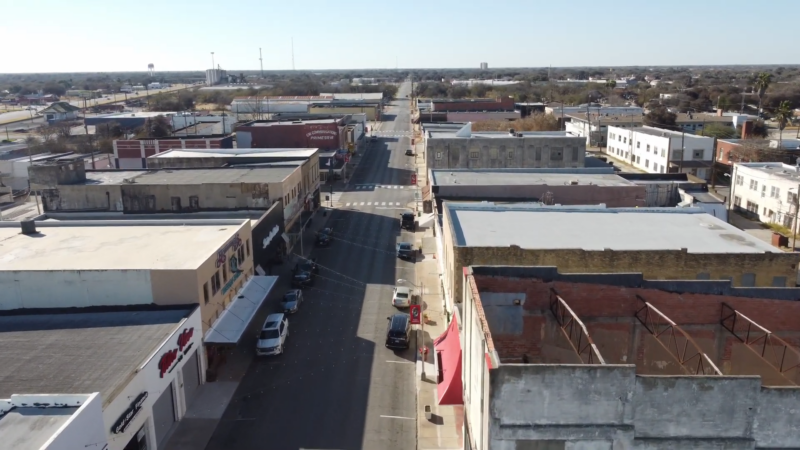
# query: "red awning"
(448, 366)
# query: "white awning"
(232, 323)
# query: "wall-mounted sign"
(321, 135)
(234, 276)
(129, 414)
(222, 254)
(271, 236)
(414, 311)
(171, 358)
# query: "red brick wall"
(601, 301)
(323, 136)
(723, 152)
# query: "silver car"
(272, 337)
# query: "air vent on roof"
(511, 131)
(573, 182)
(129, 180)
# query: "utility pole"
(683, 151)
(794, 224)
(261, 61)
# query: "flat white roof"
(238, 152)
(114, 245)
(596, 228)
(232, 323)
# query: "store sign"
(414, 311)
(222, 254)
(274, 232)
(321, 135)
(129, 414)
(171, 358)
(235, 273)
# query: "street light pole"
(421, 320)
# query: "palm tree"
(762, 83)
(783, 115)
(610, 84)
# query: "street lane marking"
(398, 417)
(400, 362)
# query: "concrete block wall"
(609, 407)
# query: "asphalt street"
(337, 386)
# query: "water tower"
(150, 69)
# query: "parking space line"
(398, 417)
(399, 362)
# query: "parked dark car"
(325, 237)
(407, 221)
(398, 332)
(409, 152)
(291, 301)
(302, 280)
(406, 251)
(307, 266)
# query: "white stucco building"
(766, 191)
(107, 379)
(655, 150)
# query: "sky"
(175, 35)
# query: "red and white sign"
(413, 178)
(321, 135)
(415, 313)
(171, 357)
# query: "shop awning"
(448, 366)
(231, 324)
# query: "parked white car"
(401, 297)
(272, 336)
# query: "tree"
(756, 150)
(536, 122)
(46, 132)
(660, 117)
(54, 88)
(783, 114)
(156, 127)
(762, 83)
(64, 129)
(718, 131)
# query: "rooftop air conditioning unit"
(128, 180)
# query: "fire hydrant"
(423, 352)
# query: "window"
(624, 140)
(493, 153)
(638, 144)
(790, 197)
(247, 247)
(677, 155)
(752, 207)
(438, 155)
(538, 154)
(763, 190)
(205, 292)
(224, 273)
(240, 254)
(753, 185)
(737, 201)
(510, 154)
(662, 152)
(648, 147)
(663, 169)
(739, 180)
(619, 138)
(215, 284)
(646, 163)
(697, 154)
(556, 154)
(774, 192)
(638, 161)
(474, 154)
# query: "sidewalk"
(617, 161)
(445, 429)
(198, 425)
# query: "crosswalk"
(364, 187)
(372, 204)
(392, 133)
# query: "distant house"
(60, 111)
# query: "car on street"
(406, 251)
(302, 279)
(324, 237)
(291, 301)
(401, 297)
(407, 221)
(272, 337)
(307, 266)
(398, 333)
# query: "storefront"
(269, 240)
(146, 411)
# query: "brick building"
(132, 153)
(325, 134)
(563, 361)
(662, 243)
(480, 104)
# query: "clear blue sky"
(111, 35)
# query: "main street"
(337, 386)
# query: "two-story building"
(766, 191)
(655, 150)
(594, 126)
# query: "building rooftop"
(47, 352)
(273, 123)
(465, 132)
(31, 428)
(652, 131)
(290, 98)
(355, 96)
(700, 118)
(238, 152)
(776, 169)
(140, 114)
(606, 119)
(114, 245)
(217, 175)
(596, 228)
(526, 177)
